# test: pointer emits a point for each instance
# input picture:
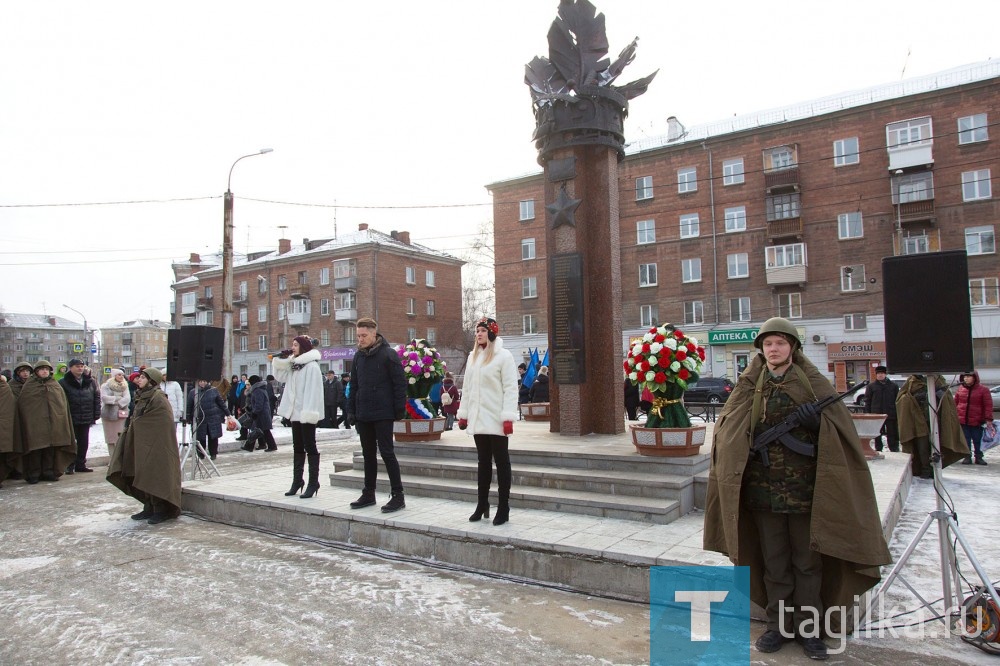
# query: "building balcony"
(204, 303)
(928, 240)
(298, 318)
(786, 275)
(188, 308)
(346, 283)
(240, 326)
(239, 298)
(346, 315)
(911, 155)
(299, 291)
(782, 178)
(917, 211)
(785, 227)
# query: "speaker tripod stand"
(947, 523)
(202, 466)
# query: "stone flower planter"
(418, 430)
(868, 426)
(668, 442)
(535, 411)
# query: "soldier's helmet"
(777, 325)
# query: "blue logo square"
(699, 615)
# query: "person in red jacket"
(975, 409)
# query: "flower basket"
(535, 411)
(423, 368)
(418, 430)
(665, 361)
(668, 442)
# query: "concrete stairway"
(571, 479)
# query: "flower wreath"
(664, 361)
(422, 367)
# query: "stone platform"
(596, 554)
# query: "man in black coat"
(376, 397)
(880, 398)
(333, 394)
(83, 397)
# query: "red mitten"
(463, 424)
(508, 428)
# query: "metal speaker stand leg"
(947, 524)
(202, 466)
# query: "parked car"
(709, 389)
(995, 394)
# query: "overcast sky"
(393, 113)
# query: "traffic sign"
(78, 347)
(93, 349)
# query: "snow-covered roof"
(24, 320)
(139, 323)
(950, 78)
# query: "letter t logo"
(701, 609)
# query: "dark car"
(709, 389)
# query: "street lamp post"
(86, 340)
(227, 267)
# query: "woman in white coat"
(489, 409)
(115, 399)
(302, 404)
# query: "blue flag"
(545, 361)
(532, 372)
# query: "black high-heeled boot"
(503, 513)
(482, 511)
(298, 465)
(313, 486)
(484, 478)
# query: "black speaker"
(195, 352)
(928, 318)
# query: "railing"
(785, 227)
(299, 291)
(781, 178)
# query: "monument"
(580, 136)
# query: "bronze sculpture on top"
(579, 133)
(574, 100)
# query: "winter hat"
(881, 368)
(74, 362)
(491, 326)
(305, 343)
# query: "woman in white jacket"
(302, 404)
(488, 409)
(115, 399)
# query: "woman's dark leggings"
(490, 448)
(304, 438)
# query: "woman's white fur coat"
(489, 392)
(302, 398)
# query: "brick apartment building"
(787, 212)
(133, 344)
(35, 337)
(321, 288)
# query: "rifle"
(782, 431)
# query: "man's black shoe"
(145, 514)
(367, 499)
(158, 518)
(395, 503)
(770, 641)
(84, 469)
(813, 647)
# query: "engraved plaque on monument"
(567, 358)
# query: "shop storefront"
(338, 359)
(732, 349)
(853, 362)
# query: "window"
(261, 313)
(782, 206)
(849, 226)
(411, 275)
(204, 318)
(411, 333)
(324, 275)
(687, 180)
(281, 311)
(738, 265)
(856, 322)
(261, 285)
(324, 307)
(262, 342)
(343, 268)
(527, 248)
(645, 231)
(915, 187)
(732, 171)
(243, 316)
(691, 270)
(244, 343)
(411, 306)
(647, 275)
(983, 292)
(282, 283)
(643, 188)
(529, 324)
(790, 306)
(243, 290)
(980, 240)
(429, 278)
(648, 316)
(736, 219)
(527, 210)
(350, 336)
(208, 292)
(916, 245)
(302, 277)
(694, 312)
(689, 225)
(739, 309)
(972, 129)
(324, 338)
(781, 256)
(976, 185)
(908, 132)
(431, 336)
(430, 308)
(529, 287)
(852, 278)
(845, 151)
(188, 300)
(986, 351)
